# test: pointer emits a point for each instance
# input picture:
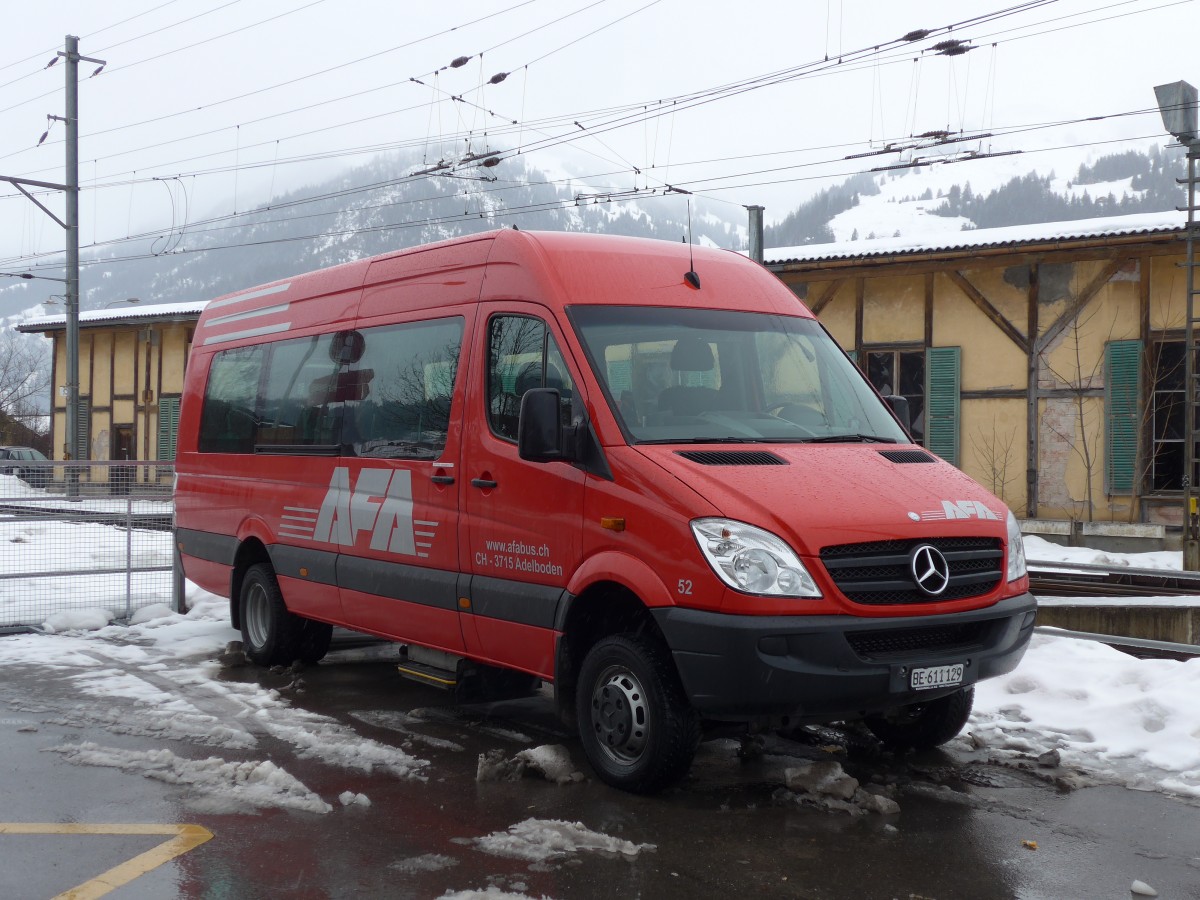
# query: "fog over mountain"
(383, 205)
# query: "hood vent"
(908, 456)
(732, 457)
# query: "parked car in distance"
(28, 464)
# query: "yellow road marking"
(184, 838)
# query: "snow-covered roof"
(1011, 236)
(114, 315)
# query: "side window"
(405, 386)
(522, 354)
(227, 419)
(301, 402)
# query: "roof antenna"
(690, 275)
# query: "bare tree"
(996, 451)
(24, 379)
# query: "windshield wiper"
(848, 439)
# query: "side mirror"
(539, 428)
(899, 407)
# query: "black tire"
(271, 636)
(314, 641)
(922, 726)
(637, 728)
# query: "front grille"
(907, 641)
(880, 573)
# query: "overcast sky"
(227, 95)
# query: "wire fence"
(81, 541)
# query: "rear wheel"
(271, 636)
(637, 728)
(921, 726)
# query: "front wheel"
(922, 726)
(637, 728)
(271, 636)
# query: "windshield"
(695, 375)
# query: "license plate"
(936, 677)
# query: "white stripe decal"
(250, 332)
(248, 314)
(265, 292)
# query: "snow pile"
(318, 737)
(222, 786)
(426, 862)
(551, 761)
(1131, 721)
(541, 840)
(825, 784)
(490, 893)
(1041, 550)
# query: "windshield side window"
(522, 354)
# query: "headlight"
(752, 560)
(1016, 549)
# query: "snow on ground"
(1109, 715)
(541, 840)
(1117, 718)
(158, 678)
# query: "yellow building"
(1046, 361)
(131, 364)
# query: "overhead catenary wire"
(676, 104)
(506, 213)
(729, 178)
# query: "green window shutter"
(168, 426)
(83, 427)
(1122, 388)
(942, 366)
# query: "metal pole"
(72, 182)
(128, 559)
(756, 233)
(1191, 520)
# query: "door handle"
(482, 483)
(443, 479)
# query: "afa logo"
(955, 509)
(380, 504)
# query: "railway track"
(1053, 579)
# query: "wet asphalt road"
(966, 828)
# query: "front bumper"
(826, 668)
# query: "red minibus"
(640, 471)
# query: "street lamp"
(1177, 104)
(126, 300)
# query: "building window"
(928, 379)
(1167, 416)
(901, 372)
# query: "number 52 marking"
(685, 586)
